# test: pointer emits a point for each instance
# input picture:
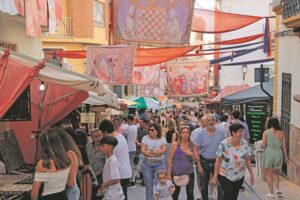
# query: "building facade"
(287, 79)
(253, 8)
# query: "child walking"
(111, 186)
(165, 188)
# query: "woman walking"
(74, 155)
(272, 160)
(180, 162)
(52, 170)
(233, 156)
(153, 147)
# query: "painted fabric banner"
(154, 90)
(155, 21)
(33, 27)
(110, 64)
(148, 75)
(188, 78)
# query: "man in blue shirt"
(206, 143)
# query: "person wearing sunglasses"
(153, 148)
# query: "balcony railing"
(291, 8)
(291, 13)
(63, 30)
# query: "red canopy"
(206, 21)
(58, 100)
(228, 90)
(14, 79)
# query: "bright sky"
(205, 4)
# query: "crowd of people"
(167, 151)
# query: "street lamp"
(244, 70)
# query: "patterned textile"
(146, 75)
(155, 21)
(154, 90)
(20, 5)
(233, 164)
(32, 18)
(110, 64)
(43, 12)
(188, 78)
(52, 16)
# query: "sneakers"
(242, 188)
(131, 185)
(278, 193)
(270, 195)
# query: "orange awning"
(206, 21)
(143, 56)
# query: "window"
(10, 46)
(98, 13)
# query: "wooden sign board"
(88, 118)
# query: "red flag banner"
(155, 21)
(148, 75)
(154, 90)
(239, 40)
(206, 21)
(188, 78)
(110, 64)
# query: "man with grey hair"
(206, 143)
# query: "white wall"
(12, 29)
(233, 75)
(289, 62)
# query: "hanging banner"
(188, 78)
(33, 27)
(148, 75)
(156, 21)
(154, 90)
(110, 64)
(207, 21)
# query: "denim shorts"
(73, 193)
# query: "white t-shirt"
(111, 172)
(154, 144)
(121, 152)
(130, 133)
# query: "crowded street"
(149, 99)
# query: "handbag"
(182, 180)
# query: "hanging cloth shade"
(206, 21)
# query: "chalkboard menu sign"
(21, 109)
(256, 115)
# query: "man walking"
(130, 133)
(206, 143)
